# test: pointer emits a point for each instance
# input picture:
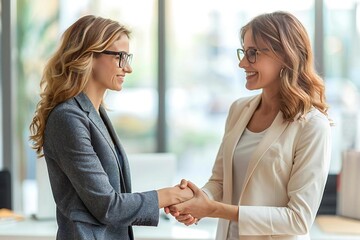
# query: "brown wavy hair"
(69, 69)
(301, 87)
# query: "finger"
(185, 222)
(191, 222)
(186, 219)
(175, 214)
(183, 217)
(176, 208)
(167, 210)
(183, 183)
(173, 211)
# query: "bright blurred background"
(185, 75)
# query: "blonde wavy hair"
(301, 87)
(69, 69)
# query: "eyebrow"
(113, 52)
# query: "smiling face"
(264, 73)
(106, 71)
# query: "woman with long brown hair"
(273, 162)
(88, 168)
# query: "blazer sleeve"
(68, 137)
(305, 186)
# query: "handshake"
(189, 203)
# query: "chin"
(117, 88)
(252, 87)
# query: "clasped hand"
(192, 210)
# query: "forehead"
(122, 44)
(249, 41)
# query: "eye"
(123, 56)
(252, 52)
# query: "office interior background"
(185, 75)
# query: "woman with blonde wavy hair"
(88, 168)
(270, 172)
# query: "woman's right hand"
(182, 185)
(186, 219)
(186, 192)
(174, 195)
(183, 194)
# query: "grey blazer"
(86, 176)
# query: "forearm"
(224, 211)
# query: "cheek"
(97, 74)
(271, 71)
(101, 73)
(96, 69)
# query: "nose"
(128, 69)
(243, 63)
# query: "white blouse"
(243, 152)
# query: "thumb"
(193, 187)
(183, 183)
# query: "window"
(1, 123)
(133, 111)
(36, 40)
(203, 73)
(203, 77)
(342, 71)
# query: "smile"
(248, 74)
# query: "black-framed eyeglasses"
(250, 54)
(124, 57)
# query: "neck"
(95, 95)
(269, 103)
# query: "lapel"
(232, 139)
(272, 134)
(95, 118)
(126, 170)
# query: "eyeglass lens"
(125, 59)
(249, 53)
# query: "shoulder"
(66, 114)
(315, 118)
(314, 123)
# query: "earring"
(281, 72)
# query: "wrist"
(222, 210)
(176, 195)
(213, 209)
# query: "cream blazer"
(285, 179)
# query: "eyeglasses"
(250, 54)
(124, 57)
